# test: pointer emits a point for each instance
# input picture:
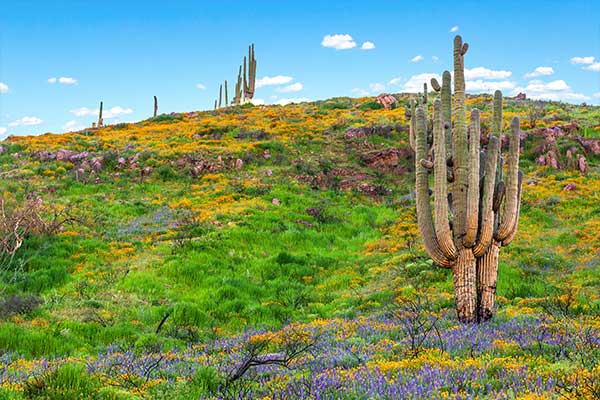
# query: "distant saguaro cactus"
(476, 208)
(226, 95)
(100, 120)
(237, 98)
(220, 94)
(250, 78)
(155, 106)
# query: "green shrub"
(370, 105)
(68, 382)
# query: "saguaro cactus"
(237, 98)
(249, 74)
(226, 95)
(220, 94)
(474, 214)
(155, 106)
(100, 120)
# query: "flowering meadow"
(272, 252)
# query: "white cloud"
(454, 28)
(26, 121)
(415, 82)
(435, 58)
(67, 81)
(63, 79)
(257, 102)
(593, 67)
(283, 102)
(582, 60)
(557, 90)
(360, 92)
(338, 41)
(416, 58)
(83, 111)
(395, 81)
(2, 130)
(596, 95)
(116, 111)
(294, 87)
(273, 80)
(200, 86)
(480, 85)
(552, 86)
(106, 113)
(72, 126)
(3, 88)
(485, 73)
(376, 87)
(367, 46)
(539, 71)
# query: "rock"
(268, 172)
(569, 187)
(266, 154)
(314, 212)
(3, 149)
(276, 201)
(386, 100)
(239, 164)
(582, 164)
(386, 158)
(521, 96)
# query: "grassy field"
(285, 238)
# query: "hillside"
(176, 249)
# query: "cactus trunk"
(155, 106)
(478, 212)
(487, 277)
(100, 120)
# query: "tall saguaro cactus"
(237, 98)
(250, 77)
(100, 120)
(155, 106)
(476, 209)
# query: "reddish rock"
(386, 100)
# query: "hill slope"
(207, 228)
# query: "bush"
(68, 382)
(18, 304)
(370, 105)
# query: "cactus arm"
(497, 114)
(487, 214)
(511, 203)
(442, 224)
(447, 109)
(513, 232)
(412, 126)
(459, 145)
(472, 217)
(425, 94)
(435, 85)
(422, 196)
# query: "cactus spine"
(474, 215)
(100, 120)
(155, 106)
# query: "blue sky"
(58, 59)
